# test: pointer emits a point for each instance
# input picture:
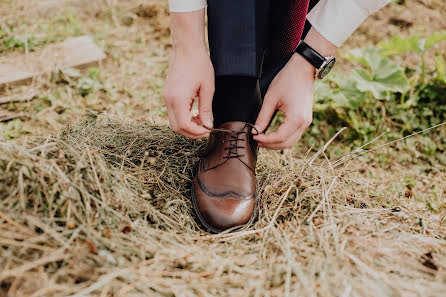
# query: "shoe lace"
(233, 140)
(233, 147)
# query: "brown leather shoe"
(224, 188)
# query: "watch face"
(326, 68)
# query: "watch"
(322, 64)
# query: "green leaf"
(322, 90)
(371, 58)
(94, 73)
(347, 95)
(434, 39)
(354, 121)
(398, 45)
(415, 44)
(384, 76)
(440, 65)
(380, 86)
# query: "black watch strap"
(310, 54)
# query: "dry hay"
(103, 210)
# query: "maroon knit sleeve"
(288, 20)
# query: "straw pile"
(103, 210)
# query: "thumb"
(267, 111)
(205, 104)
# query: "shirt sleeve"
(186, 5)
(336, 20)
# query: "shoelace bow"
(234, 138)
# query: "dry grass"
(102, 208)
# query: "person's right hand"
(190, 75)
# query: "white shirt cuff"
(336, 20)
(186, 5)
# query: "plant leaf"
(434, 39)
(347, 95)
(322, 90)
(398, 45)
(371, 58)
(384, 76)
(440, 65)
(380, 86)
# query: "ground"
(94, 187)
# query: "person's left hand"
(291, 92)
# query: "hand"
(291, 92)
(190, 74)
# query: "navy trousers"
(255, 37)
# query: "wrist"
(302, 65)
(187, 31)
(189, 48)
(320, 43)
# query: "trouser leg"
(281, 45)
(238, 33)
(250, 39)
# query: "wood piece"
(19, 98)
(10, 116)
(74, 52)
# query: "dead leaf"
(91, 246)
(127, 229)
(428, 261)
(106, 233)
(408, 194)
(71, 225)
(299, 183)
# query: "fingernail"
(208, 123)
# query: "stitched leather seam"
(219, 195)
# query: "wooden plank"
(10, 116)
(10, 73)
(74, 52)
(19, 98)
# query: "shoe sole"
(211, 229)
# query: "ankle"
(236, 98)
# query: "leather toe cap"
(223, 211)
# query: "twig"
(57, 256)
(325, 195)
(105, 279)
(10, 242)
(276, 213)
(360, 152)
(17, 225)
(325, 146)
(47, 229)
(95, 175)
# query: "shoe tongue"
(234, 126)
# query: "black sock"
(236, 98)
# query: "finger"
(171, 116)
(285, 131)
(187, 126)
(197, 120)
(205, 104)
(287, 144)
(181, 121)
(269, 106)
(193, 136)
